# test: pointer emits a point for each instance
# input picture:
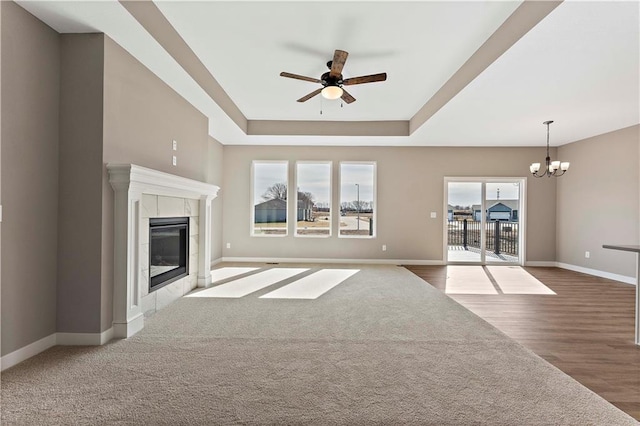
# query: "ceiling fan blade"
(299, 77)
(365, 79)
(339, 58)
(346, 96)
(310, 95)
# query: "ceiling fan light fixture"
(332, 92)
(332, 80)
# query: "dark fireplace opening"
(168, 250)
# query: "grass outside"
(364, 232)
(319, 226)
(318, 222)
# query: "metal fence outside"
(501, 237)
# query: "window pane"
(314, 199)
(357, 198)
(270, 198)
(464, 217)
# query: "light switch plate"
(434, 215)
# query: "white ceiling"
(246, 46)
(579, 66)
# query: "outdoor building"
(305, 209)
(271, 211)
(275, 210)
(503, 210)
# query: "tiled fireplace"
(155, 207)
(142, 196)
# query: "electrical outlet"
(228, 245)
(434, 215)
(384, 247)
(175, 145)
(587, 254)
(175, 160)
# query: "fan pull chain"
(321, 105)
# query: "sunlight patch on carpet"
(312, 286)
(515, 280)
(247, 285)
(468, 280)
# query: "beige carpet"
(382, 347)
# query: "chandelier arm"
(548, 170)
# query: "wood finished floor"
(586, 330)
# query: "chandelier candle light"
(551, 167)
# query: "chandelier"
(551, 167)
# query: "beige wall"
(30, 98)
(142, 116)
(79, 251)
(0, 182)
(410, 185)
(598, 201)
(112, 109)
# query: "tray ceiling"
(577, 65)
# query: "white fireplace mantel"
(129, 182)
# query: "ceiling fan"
(332, 80)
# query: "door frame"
(522, 217)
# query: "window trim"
(374, 234)
(252, 196)
(295, 206)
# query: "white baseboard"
(33, 349)
(541, 263)
(65, 339)
(597, 273)
(129, 328)
(215, 262)
(420, 262)
(339, 261)
(84, 339)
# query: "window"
(269, 198)
(313, 199)
(357, 199)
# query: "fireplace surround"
(142, 194)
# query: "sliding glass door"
(483, 223)
(464, 237)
